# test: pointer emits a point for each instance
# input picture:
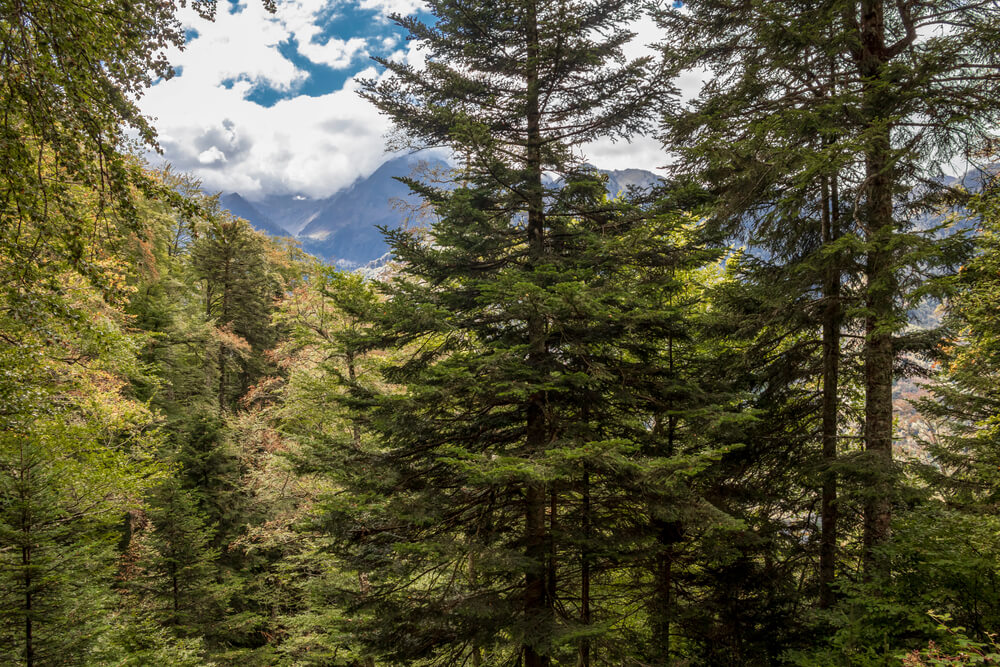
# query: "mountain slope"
(343, 228)
(241, 208)
(293, 212)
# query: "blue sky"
(267, 104)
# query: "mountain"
(293, 212)
(241, 208)
(346, 227)
(622, 179)
(343, 228)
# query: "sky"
(265, 104)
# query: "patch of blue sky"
(343, 21)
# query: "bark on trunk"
(881, 283)
(537, 605)
(29, 644)
(831, 399)
(585, 619)
(364, 586)
(668, 534)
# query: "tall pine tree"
(518, 453)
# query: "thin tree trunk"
(364, 586)
(535, 598)
(668, 534)
(352, 376)
(224, 320)
(551, 570)
(29, 645)
(537, 605)
(175, 594)
(585, 619)
(831, 399)
(222, 377)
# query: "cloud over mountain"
(267, 104)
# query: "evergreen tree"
(240, 291)
(75, 454)
(808, 93)
(491, 509)
(955, 529)
(178, 562)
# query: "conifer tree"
(899, 104)
(178, 562)
(75, 454)
(534, 320)
(240, 292)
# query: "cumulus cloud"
(241, 44)
(335, 53)
(637, 153)
(311, 145)
(387, 7)
(642, 152)
(211, 156)
(212, 125)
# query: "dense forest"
(749, 417)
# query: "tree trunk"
(831, 400)
(29, 645)
(537, 605)
(223, 321)
(880, 283)
(175, 592)
(668, 534)
(364, 586)
(550, 583)
(585, 619)
(535, 598)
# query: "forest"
(749, 417)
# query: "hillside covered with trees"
(560, 428)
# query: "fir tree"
(240, 291)
(897, 105)
(489, 507)
(179, 563)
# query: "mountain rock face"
(293, 212)
(622, 179)
(241, 208)
(343, 228)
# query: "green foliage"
(75, 454)
(510, 486)
(566, 429)
(178, 562)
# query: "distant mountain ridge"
(241, 208)
(343, 228)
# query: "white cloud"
(313, 145)
(642, 152)
(335, 53)
(638, 153)
(386, 7)
(646, 34)
(242, 44)
(211, 156)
